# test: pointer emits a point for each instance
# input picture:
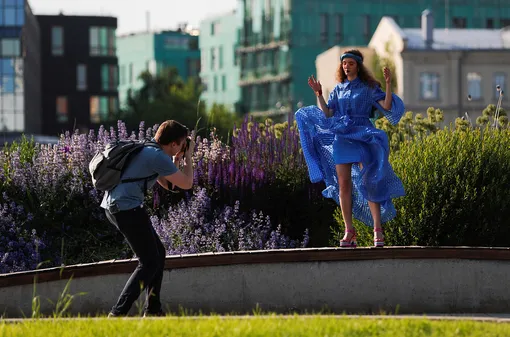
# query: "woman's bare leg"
(375, 209)
(343, 172)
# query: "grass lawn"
(209, 326)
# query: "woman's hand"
(387, 75)
(314, 84)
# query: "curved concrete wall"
(363, 280)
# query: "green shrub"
(456, 186)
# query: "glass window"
(7, 103)
(111, 42)
(114, 104)
(81, 77)
(57, 40)
(104, 77)
(20, 17)
(109, 77)
(103, 41)
(122, 74)
(339, 25)
(19, 103)
(324, 23)
(103, 108)
(62, 112)
(459, 22)
(499, 79)
(94, 109)
(7, 66)
(474, 85)
(213, 58)
(504, 22)
(94, 40)
(18, 83)
(10, 3)
(224, 83)
(9, 16)
(220, 56)
(10, 47)
(7, 83)
(20, 3)
(429, 86)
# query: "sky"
(131, 14)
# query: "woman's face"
(350, 66)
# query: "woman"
(343, 148)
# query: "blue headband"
(351, 56)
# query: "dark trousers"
(136, 227)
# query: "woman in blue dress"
(344, 149)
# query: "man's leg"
(136, 227)
(154, 288)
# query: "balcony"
(262, 46)
(268, 77)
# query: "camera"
(186, 146)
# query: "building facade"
(79, 72)
(456, 70)
(281, 39)
(20, 70)
(153, 52)
(220, 69)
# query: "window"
(62, 112)
(9, 47)
(102, 41)
(81, 77)
(224, 83)
(220, 57)
(474, 85)
(489, 23)
(213, 58)
(429, 86)
(122, 75)
(499, 79)
(459, 22)
(366, 26)
(131, 74)
(109, 77)
(215, 84)
(215, 28)
(324, 27)
(193, 67)
(102, 108)
(504, 22)
(57, 40)
(339, 25)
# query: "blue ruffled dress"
(350, 137)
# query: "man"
(124, 208)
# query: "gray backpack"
(106, 167)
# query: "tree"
(380, 62)
(165, 96)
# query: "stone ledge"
(111, 267)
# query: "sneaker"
(154, 314)
(111, 314)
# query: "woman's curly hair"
(364, 74)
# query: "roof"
(455, 39)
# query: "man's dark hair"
(171, 131)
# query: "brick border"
(256, 257)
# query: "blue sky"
(164, 14)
